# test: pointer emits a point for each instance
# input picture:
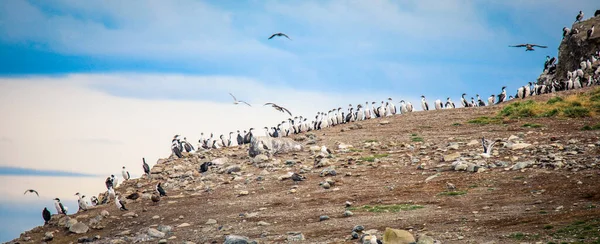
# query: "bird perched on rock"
(120, 204)
(325, 151)
(155, 198)
(160, 190)
(60, 209)
(32, 191)
(579, 16)
(279, 34)
(450, 186)
(146, 167)
(125, 174)
(529, 47)
(204, 166)
(296, 178)
(81, 202)
(279, 108)
(46, 215)
(133, 196)
(590, 33)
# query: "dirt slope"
(542, 202)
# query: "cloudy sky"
(87, 87)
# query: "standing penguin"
(46, 215)
(125, 174)
(120, 204)
(60, 209)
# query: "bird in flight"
(32, 191)
(236, 102)
(279, 108)
(279, 34)
(529, 47)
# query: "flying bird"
(529, 47)
(279, 108)
(32, 191)
(279, 34)
(236, 102)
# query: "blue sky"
(87, 87)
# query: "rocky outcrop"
(573, 49)
(272, 146)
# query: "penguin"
(521, 92)
(424, 104)
(579, 17)
(187, 146)
(248, 137)
(463, 101)
(240, 139)
(81, 202)
(229, 143)
(409, 107)
(491, 100)
(473, 103)
(114, 180)
(566, 32)
(120, 204)
(46, 215)
(60, 209)
(146, 167)
(438, 104)
(392, 108)
(480, 102)
(160, 190)
(125, 174)
(449, 103)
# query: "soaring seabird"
(529, 47)
(236, 102)
(81, 202)
(279, 108)
(160, 190)
(424, 104)
(46, 215)
(579, 17)
(120, 204)
(60, 209)
(279, 34)
(487, 147)
(146, 167)
(125, 174)
(32, 191)
(590, 32)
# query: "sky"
(87, 87)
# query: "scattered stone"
(425, 239)
(295, 236)
(79, 228)
(211, 222)
(323, 217)
(48, 236)
(243, 193)
(451, 157)
(385, 122)
(130, 215)
(155, 233)
(395, 236)
(104, 213)
(347, 213)
(183, 225)
(234, 239)
(358, 228)
(348, 204)
(263, 223)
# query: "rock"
(211, 222)
(162, 241)
(323, 162)
(425, 239)
(70, 223)
(234, 239)
(130, 215)
(243, 193)
(358, 228)
(432, 177)
(325, 185)
(233, 168)
(79, 228)
(385, 122)
(348, 204)
(347, 213)
(328, 172)
(48, 236)
(513, 138)
(183, 225)
(274, 145)
(451, 157)
(295, 236)
(453, 146)
(395, 236)
(261, 158)
(343, 146)
(263, 223)
(165, 228)
(104, 213)
(518, 146)
(474, 143)
(354, 235)
(323, 217)
(522, 165)
(155, 233)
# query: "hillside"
(539, 185)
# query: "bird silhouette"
(236, 102)
(279, 108)
(529, 47)
(279, 34)
(32, 191)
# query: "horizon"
(87, 88)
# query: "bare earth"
(506, 206)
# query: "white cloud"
(52, 120)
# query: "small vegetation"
(372, 158)
(370, 140)
(532, 125)
(452, 193)
(591, 127)
(394, 208)
(523, 236)
(548, 227)
(484, 120)
(415, 138)
(355, 150)
(456, 124)
(585, 231)
(573, 106)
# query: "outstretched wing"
(286, 36)
(535, 45)
(520, 45)
(272, 36)
(245, 103)
(269, 104)
(483, 143)
(233, 96)
(285, 109)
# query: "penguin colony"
(587, 74)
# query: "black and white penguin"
(125, 174)
(464, 101)
(502, 95)
(60, 209)
(579, 16)
(81, 203)
(160, 190)
(424, 104)
(120, 204)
